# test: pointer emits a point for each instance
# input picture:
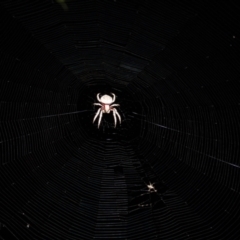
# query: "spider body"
(105, 101)
(151, 188)
(106, 107)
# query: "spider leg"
(114, 97)
(114, 116)
(115, 105)
(119, 117)
(100, 118)
(96, 115)
(97, 104)
(98, 98)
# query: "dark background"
(174, 67)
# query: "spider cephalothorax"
(106, 107)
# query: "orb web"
(170, 170)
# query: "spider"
(151, 188)
(106, 107)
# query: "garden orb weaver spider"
(106, 106)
